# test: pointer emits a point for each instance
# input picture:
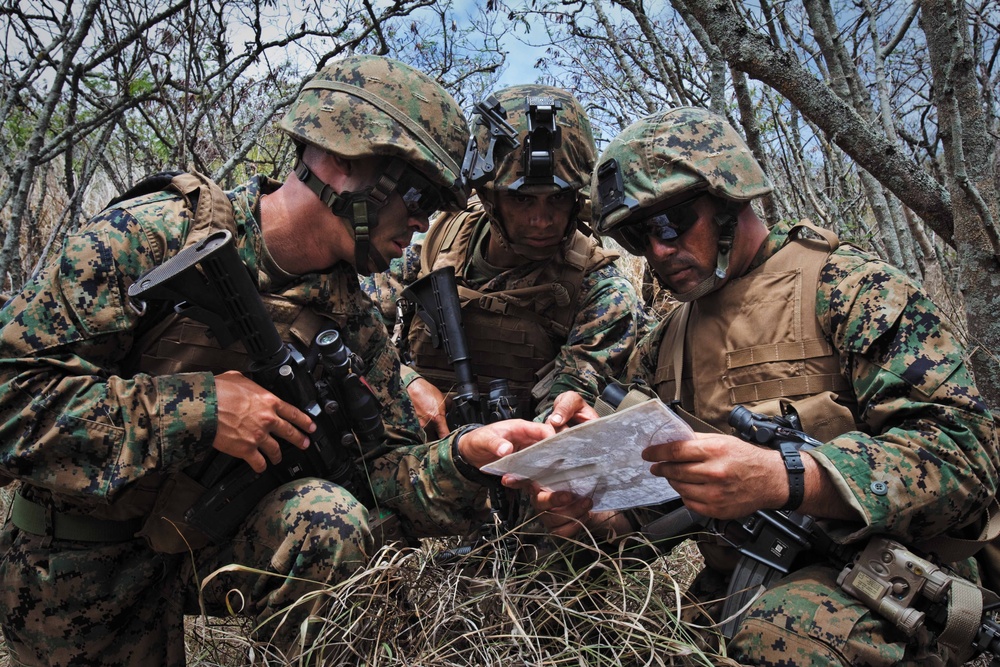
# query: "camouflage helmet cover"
(574, 157)
(673, 152)
(365, 105)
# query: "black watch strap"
(467, 470)
(796, 475)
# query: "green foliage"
(17, 129)
(141, 85)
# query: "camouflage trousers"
(84, 603)
(806, 619)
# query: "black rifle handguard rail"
(435, 298)
(346, 412)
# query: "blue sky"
(521, 57)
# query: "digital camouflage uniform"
(926, 432)
(605, 315)
(608, 320)
(917, 455)
(79, 435)
(88, 437)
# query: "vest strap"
(950, 549)
(965, 615)
(670, 363)
(697, 425)
(790, 351)
(796, 386)
(37, 519)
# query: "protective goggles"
(421, 197)
(667, 225)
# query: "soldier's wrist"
(466, 469)
(408, 375)
(796, 472)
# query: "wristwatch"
(796, 475)
(469, 471)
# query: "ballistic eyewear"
(421, 197)
(667, 225)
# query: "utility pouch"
(617, 397)
(546, 379)
(165, 530)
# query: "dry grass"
(574, 606)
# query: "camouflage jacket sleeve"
(608, 322)
(71, 422)
(641, 364)
(932, 440)
(422, 484)
(417, 480)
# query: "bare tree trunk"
(753, 53)
(751, 128)
(623, 63)
(666, 72)
(971, 182)
(717, 63)
(843, 81)
(75, 30)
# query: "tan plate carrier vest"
(176, 344)
(775, 354)
(774, 351)
(513, 334)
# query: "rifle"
(435, 297)
(886, 576)
(346, 412)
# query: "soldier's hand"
(252, 418)
(721, 476)
(561, 512)
(488, 443)
(569, 409)
(429, 403)
(564, 513)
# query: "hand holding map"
(602, 459)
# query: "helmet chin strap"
(727, 230)
(359, 207)
(363, 220)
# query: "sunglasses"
(667, 225)
(421, 197)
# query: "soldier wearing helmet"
(543, 305)
(788, 321)
(109, 407)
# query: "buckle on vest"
(493, 304)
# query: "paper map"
(602, 458)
